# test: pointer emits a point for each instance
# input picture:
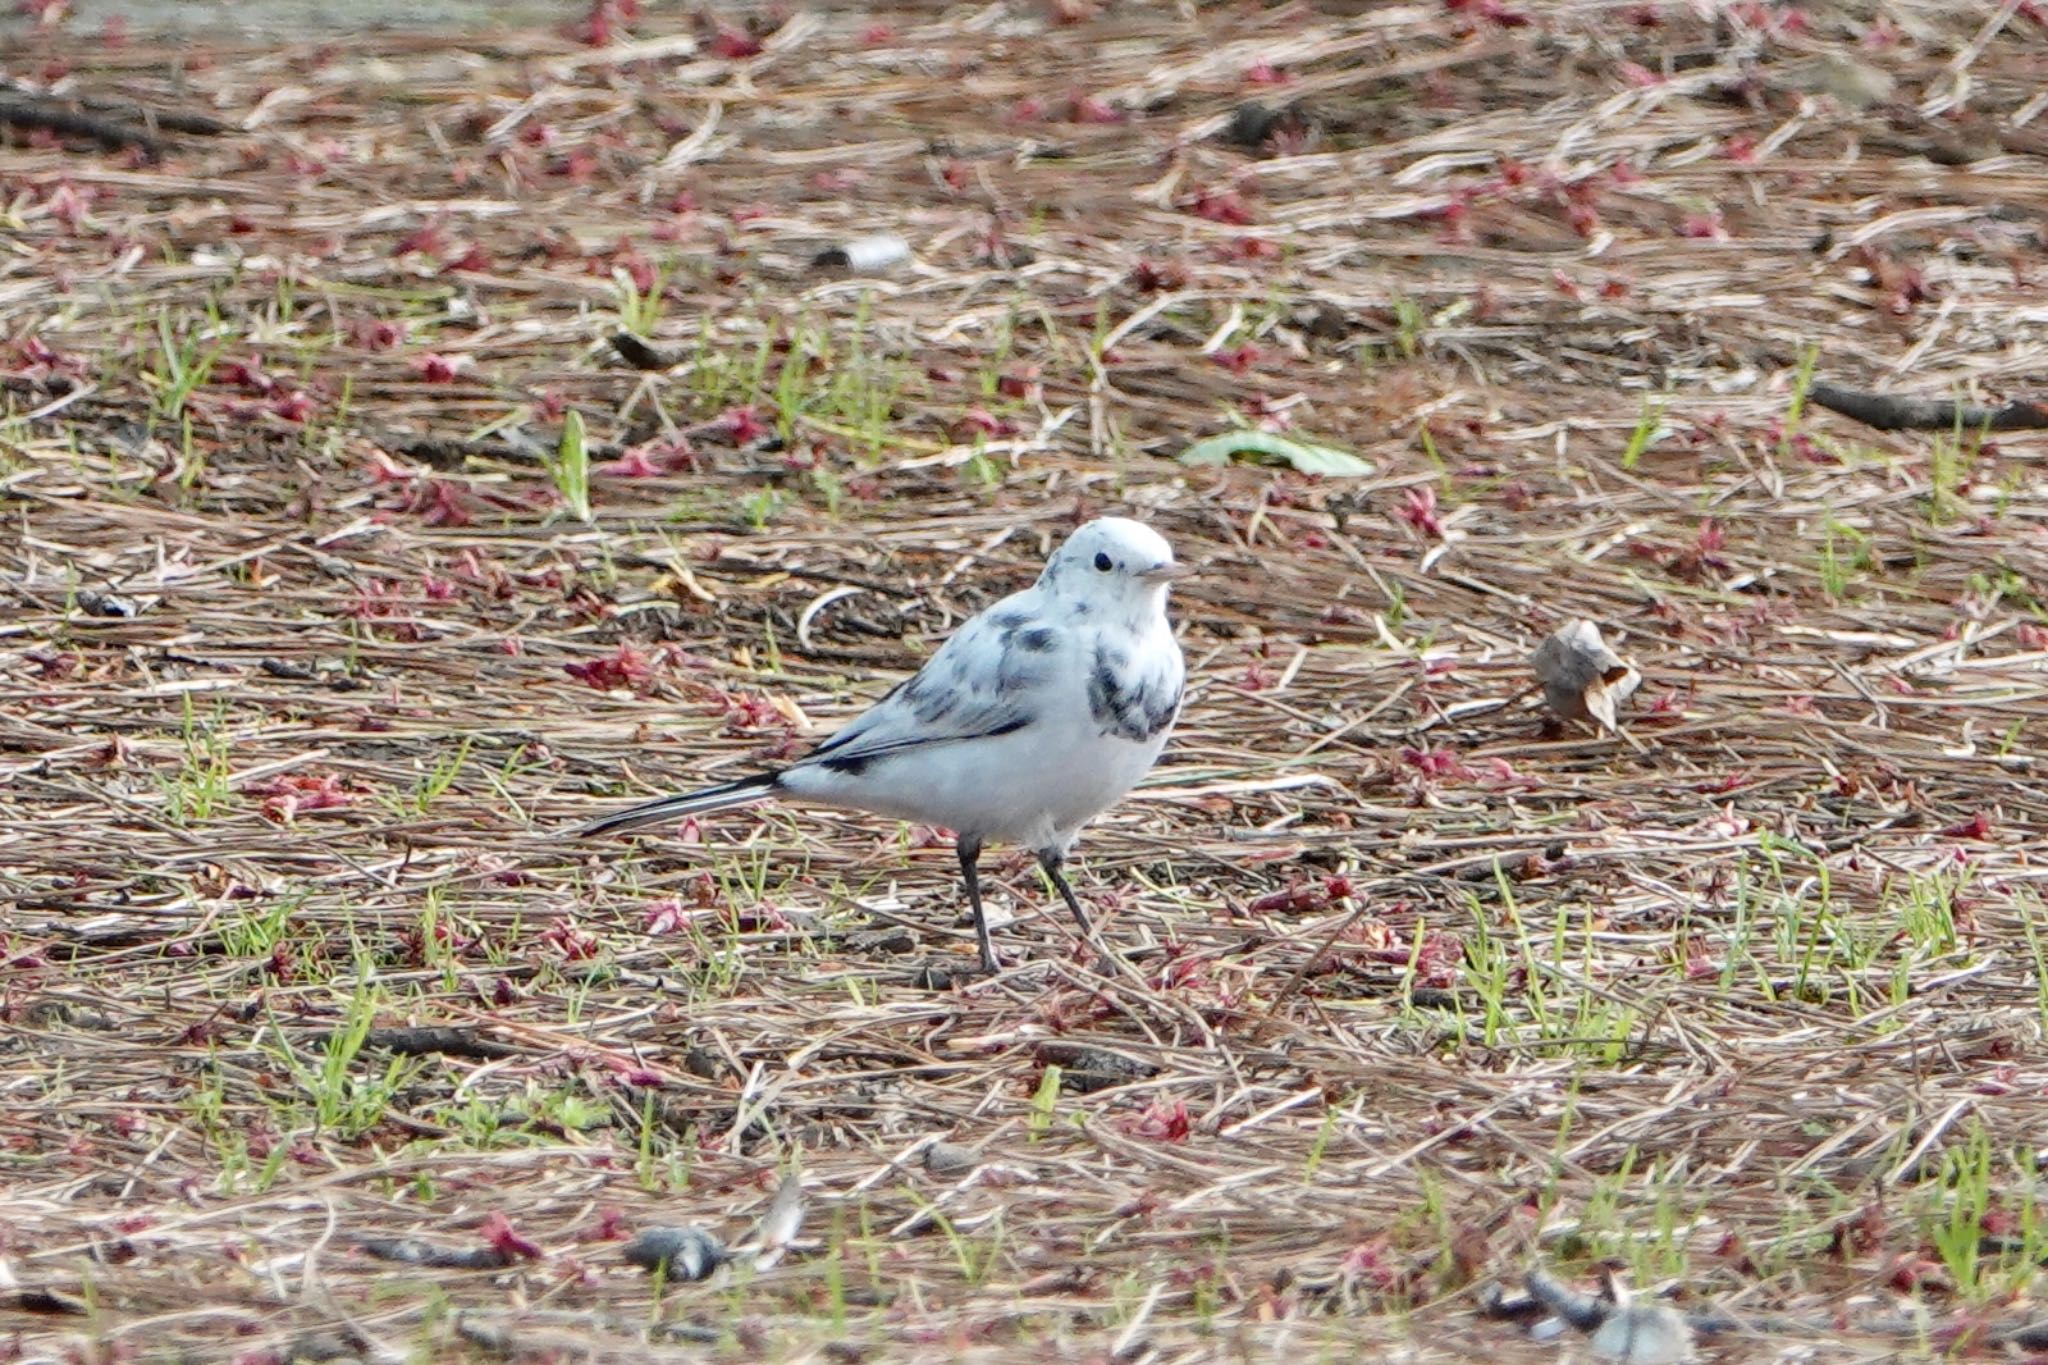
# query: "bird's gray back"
(987, 680)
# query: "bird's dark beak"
(1166, 573)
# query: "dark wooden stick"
(448, 1042)
(28, 111)
(1928, 414)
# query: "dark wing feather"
(989, 679)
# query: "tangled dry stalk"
(306, 664)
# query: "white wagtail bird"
(1037, 716)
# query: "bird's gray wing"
(994, 677)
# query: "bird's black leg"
(970, 859)
(1052, 861)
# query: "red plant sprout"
(1163, 1121)
(445, 504)
(247, 375)
(424, 240)
(38, 361)
(1439, 960)
(444, 937)
(1418, 509)
(734, 44)
(436, 502)
(979, 421)
(1150, 278)
(286, 796)
(1437, 764)
(1092, 109)
(1019, 381)
(376, 334)
(498, 1231)
(604, 23)
(1238, 359)
(68, 205)
(1977, 827)
(1302, 898)
(1275, 415)
(639, 270)
(627, 668)
(633, 463)
(1704, 226)
(473, 261)
(1498, 773)
(295, 406)
(436, 368)
(1489, 11)
(749, 711)
(574, 943)
(1580, 209)
(743, 425)
(1222, 206)
(1373, 1265)
(664, 917)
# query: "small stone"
(950, 1158)
(865, 255)
(1644, 1334)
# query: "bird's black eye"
(1102, 563)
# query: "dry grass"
(299, 685)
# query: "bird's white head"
(1120, 566)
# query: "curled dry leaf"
(1582, 678)
(784, 1216)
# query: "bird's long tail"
(744, 792)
